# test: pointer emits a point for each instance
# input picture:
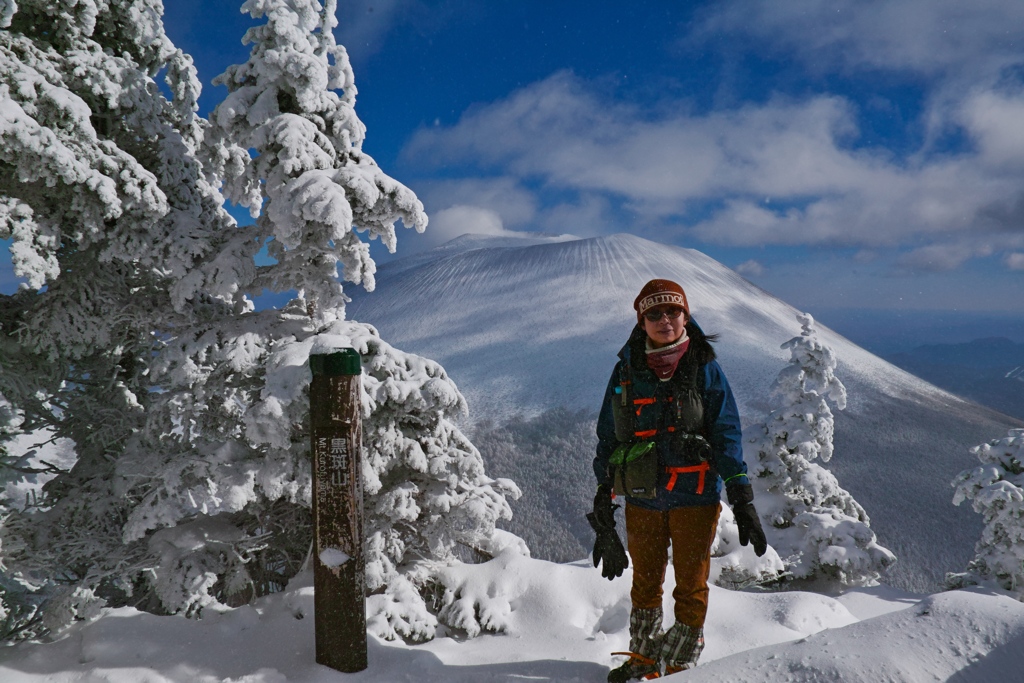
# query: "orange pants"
(691, 530)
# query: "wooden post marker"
(338, 565)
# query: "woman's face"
(664, 329)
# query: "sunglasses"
(670, 313)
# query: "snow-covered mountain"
(527, 327)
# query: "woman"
(668, 438)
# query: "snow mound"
(962, 636)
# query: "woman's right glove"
(741, 499)
(607, 547)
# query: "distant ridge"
(524, 329)
(988, 370)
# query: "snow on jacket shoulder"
(721, 425)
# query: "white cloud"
(500, 206)
(948, 48)
(865, 256)
(942, 257)
(783, 171)
(560, 131)
(995, 121)
(363, 24)
(820, 190)
(503, 195)
(1015, 261)
(750, 268)
(589, 216)
(930, 37)
(460, 219)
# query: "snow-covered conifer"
(115, 232)
(996, 491)
(187, 407)
(816, 526)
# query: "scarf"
(663, 361)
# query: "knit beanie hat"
(660, 293)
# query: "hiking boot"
(681, 647)
(636, 668)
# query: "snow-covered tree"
(816, 526)
(112, 226)
(189, 408)
(996, 491)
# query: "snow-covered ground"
(563, 623)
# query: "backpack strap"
(688, 378)
(622, 406)
(686, 398)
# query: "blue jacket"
(679, 484)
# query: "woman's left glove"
(608, 549)
(741, 499)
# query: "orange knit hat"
(660, 293)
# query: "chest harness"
(659, 427)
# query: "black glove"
(604, 509)
(741, 499)
(607, 547)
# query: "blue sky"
(842, 154)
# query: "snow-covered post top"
(309, 177)
(339, 565)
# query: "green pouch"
(636, 469)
